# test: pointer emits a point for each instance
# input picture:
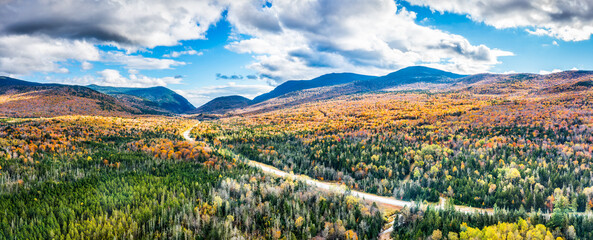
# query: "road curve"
(365, 196)
(338, 188)
(319, 184)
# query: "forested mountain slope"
(149, 100)
(26, 99)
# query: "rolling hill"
(322, 81)
(153, 100)
(221, 105)
(424, 79)
(20, 98)
(335, 84)
(28, 99)
(6, 81)
(409, 75)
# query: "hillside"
(150, 100)
(221, 105)
(411, 78)
(332, 85)
(433, 80)
(322, 81)
(409, 75)
(6, 81)
(27, 99)
(525, 84)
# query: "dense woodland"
(522, 152)
(478, 151)
(106, 178)
(447, 223)
(516, 153)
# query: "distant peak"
(419, 69)
(232, 97)
(422, 70)
(159, 87)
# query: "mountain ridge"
(321, 81)
(19, 95)
(151, 99)
(223, 104)
(429, 79)
(20, 98)
(347, 83)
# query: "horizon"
(251, 98)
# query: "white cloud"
(38, 35)
(544, 72)
(303, 39)
(180, 53)
(124, 23)
(111, 77)
(22, 54)
(139, 62)
(86, 65)
(202, 95)
(289, 40)
(569, 20)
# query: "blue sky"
(532, 53)
(207, 48)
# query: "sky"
(203, 49)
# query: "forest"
(525, 161)
(479, 152)
(118, 178)
(521, 155)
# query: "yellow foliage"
(520, 230)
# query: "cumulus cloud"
(125, 23)
(288, 39)
(205, 94)
(111, 77)
(139, 62)
(303, 39)
(23, 54)
(86, 65)
(569, 20)
(38, 35)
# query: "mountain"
(156, 100)
(337, 84)
(322, 81)
(409, 75)
(28, 99)
(221, 105)
(6, 81)
(528, 83)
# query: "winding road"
(342, 189)
(321, 184)
(365, 196)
